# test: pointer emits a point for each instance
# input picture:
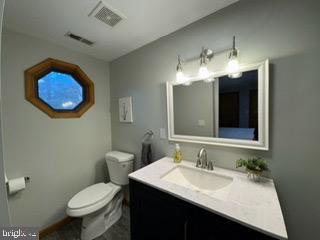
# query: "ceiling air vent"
(106, 14)
(78, 38)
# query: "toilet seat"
(92, 199)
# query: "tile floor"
(119, 231)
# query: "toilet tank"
(120, 165)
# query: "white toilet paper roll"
(16, 185)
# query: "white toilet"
(100, 205)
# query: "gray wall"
(62, 156)
(4, 216)
(191, 104)
(285, 31)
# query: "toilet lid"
(92, 195)
(116, 156)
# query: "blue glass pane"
(60, 91)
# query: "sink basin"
(197, 179)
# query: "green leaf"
(253, 163)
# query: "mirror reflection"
(224, 108)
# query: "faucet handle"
(210, 166)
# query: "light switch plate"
(163, 133)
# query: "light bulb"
(204, 72)
(180, 77)
(233, 65)
(233, 68)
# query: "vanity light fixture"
(233, 63)
(204, 73)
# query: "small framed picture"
(125, 110)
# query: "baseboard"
(54, 227)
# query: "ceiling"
(147, 20)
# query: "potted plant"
(254, 167)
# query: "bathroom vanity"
(180, 201)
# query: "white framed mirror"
(232, 112)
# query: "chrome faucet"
(202, 160)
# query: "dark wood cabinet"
(153, 216)
(156, 215)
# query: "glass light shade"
(233, 65)
(180, 77)
(204, 72)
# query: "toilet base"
(95, 224)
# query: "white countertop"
(253, 204)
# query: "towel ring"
(148, 135)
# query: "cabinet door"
(205, 225)
(155, 215)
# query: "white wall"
(4, 213)
(285, 31)
(61, 156)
